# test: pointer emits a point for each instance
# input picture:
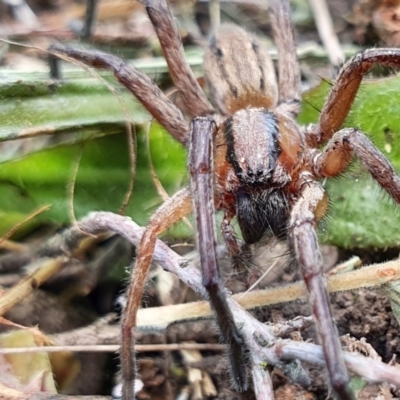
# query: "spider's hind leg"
(164, 24)
(138, 83)
(288, 65)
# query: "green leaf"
(361, 214)
(357, 384)
(83, 117)
(83, 113)
(81, 107)
(101, 183)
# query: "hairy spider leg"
(337, 155)
(170, 212)
(201, 168)
(345, 88)
(310, 207)
(332, 117)
(303, 221)
(193, 96)
(339, 152)
(139, 84)
(289, 79)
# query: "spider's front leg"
(309, 208)
(201, 171)
(173, 210)
(339, 152)
(345, 88)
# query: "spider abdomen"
(239, 82)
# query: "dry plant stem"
(111, 348)
(327, 31)
(104, 334)
(367, 277)
(262, 380)
(349, 265)
(366, 367)
(215, 14)
(12, 246)
(46, 268)
(252, 329)
(208, 386)
(17, 226)
(198, 377)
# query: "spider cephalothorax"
(260, 170)
(250, 161)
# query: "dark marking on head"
(230, 141)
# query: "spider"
(251, 161)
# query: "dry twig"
(327, 32)
(260, 338)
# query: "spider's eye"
(259, 172)
(250, 173)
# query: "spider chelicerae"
(249, 159)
